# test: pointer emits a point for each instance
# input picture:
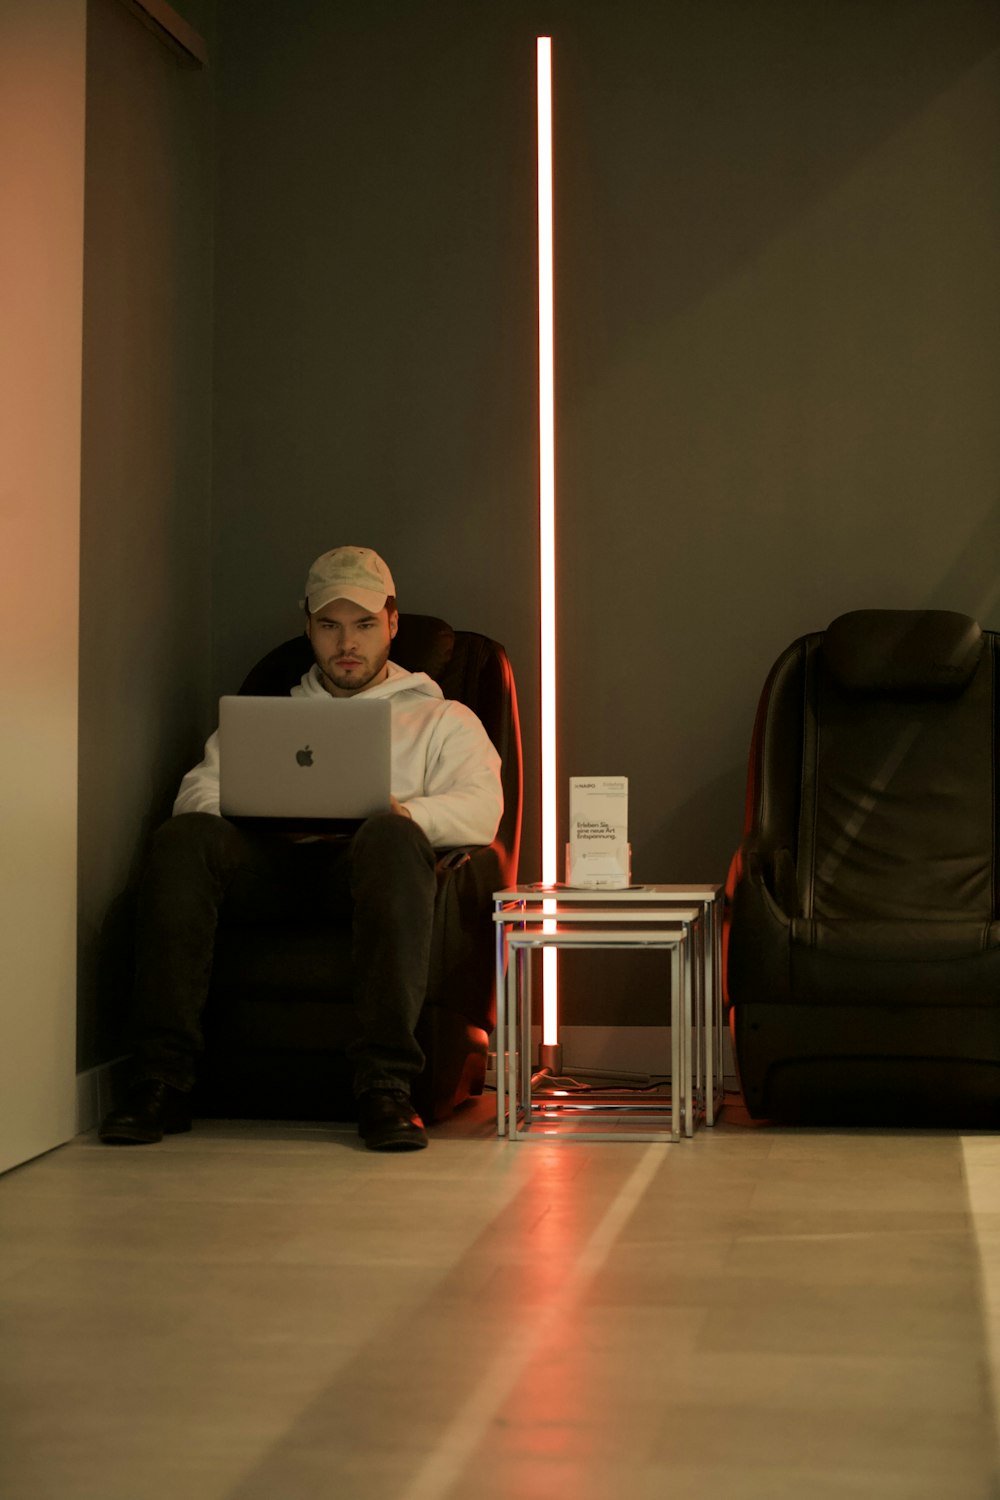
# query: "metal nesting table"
(683, 922)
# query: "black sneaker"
(150, 1110)
(387, 1121)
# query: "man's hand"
(397, 807)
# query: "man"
(445, 792)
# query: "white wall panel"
(42, 83)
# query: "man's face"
(351, 646)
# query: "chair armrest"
(450, 859)
(762, 903)
(486, 864)
(774, 870)
(462, 946)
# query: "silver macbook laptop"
(303, 759)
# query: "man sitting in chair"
(446, 792)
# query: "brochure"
(598, 853)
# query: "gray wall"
(375, 315)
(145, 546)
(778, 363)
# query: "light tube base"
(550, 1058)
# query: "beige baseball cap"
(355, 573)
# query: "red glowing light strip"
(547, 519)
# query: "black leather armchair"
(863, 966)
(279, 1015)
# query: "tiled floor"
(261, 1312)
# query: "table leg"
(716, 1033)
(525, 1053)
(688, 966)
(511, 996)
(501, 1025)
(676, 1085)
(697, 993)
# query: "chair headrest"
(423, 644)
(929, 653)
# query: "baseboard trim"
(94, 1089)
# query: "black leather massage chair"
(863, 962)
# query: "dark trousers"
(203, 868)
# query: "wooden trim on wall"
(172, 30)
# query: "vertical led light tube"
(547, 519)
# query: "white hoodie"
(445, 770)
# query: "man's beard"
(352, 682)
